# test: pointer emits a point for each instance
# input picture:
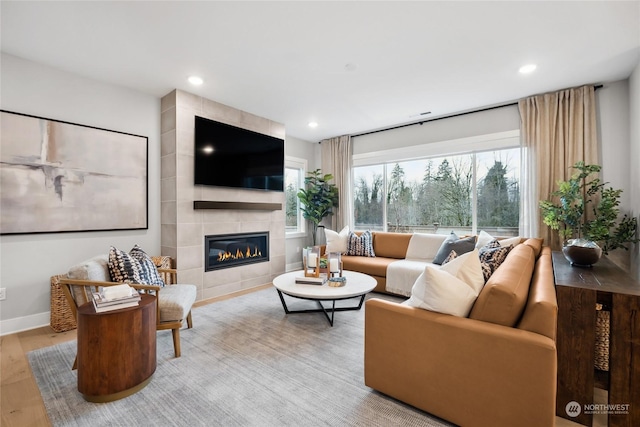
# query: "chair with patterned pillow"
(137, 269)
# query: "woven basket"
(163, 262)
(61, 315)
(603, 324)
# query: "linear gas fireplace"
(232, 250)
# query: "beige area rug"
(245, 363)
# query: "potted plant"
(586, 216)
(318, 198)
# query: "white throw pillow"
(337, 242)
(483, 239)
(510, 241)
(467, 267)
(436, 290)
(424, 246)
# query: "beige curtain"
(336, 156)
(558, 129)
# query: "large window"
(294, 172)
(369, 197)
(465, 193)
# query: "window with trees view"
(294, 172)
(464, 193)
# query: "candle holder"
(334, 261)
(311, 261)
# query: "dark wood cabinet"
(578, 290)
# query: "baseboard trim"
(293, 267)
(24, 323)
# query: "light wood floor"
(20, 399)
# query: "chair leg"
(75, 363)
(189, 321)
(176, 341)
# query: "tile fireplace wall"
(183, 228)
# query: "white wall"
(311, 152)
(614, 127)
(612, 102)
(445, 129)
(27, 261)
(634, 159)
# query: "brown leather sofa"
(388, 247)
(495, 368)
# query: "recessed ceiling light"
(195, 80)
(313, 124)
(526, 69)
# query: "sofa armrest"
(463, 370)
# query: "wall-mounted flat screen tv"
(228, 156)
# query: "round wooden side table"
(116, 350)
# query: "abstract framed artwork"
(60, 177)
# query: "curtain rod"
(595, 87)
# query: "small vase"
(581, 252)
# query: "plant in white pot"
(586, 216)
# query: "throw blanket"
(402, 274)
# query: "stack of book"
(115, 297)
(305, 280)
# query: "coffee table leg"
(284, 304)
(322, 308)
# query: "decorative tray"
(337, 281)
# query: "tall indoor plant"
(318, 198)
(587, 211)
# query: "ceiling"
(350, 66)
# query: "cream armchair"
(174, 300)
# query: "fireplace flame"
(224, 256)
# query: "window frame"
(462, 146)
(300, 164)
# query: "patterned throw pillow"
(133, 267)
(360, 245)
(148, 272)
(491, 256)
(123, 267)
(452, 255)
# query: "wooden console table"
(116, 350)
(578, 290)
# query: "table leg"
(322, 309)
(284, 304)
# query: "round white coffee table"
(358, 285)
